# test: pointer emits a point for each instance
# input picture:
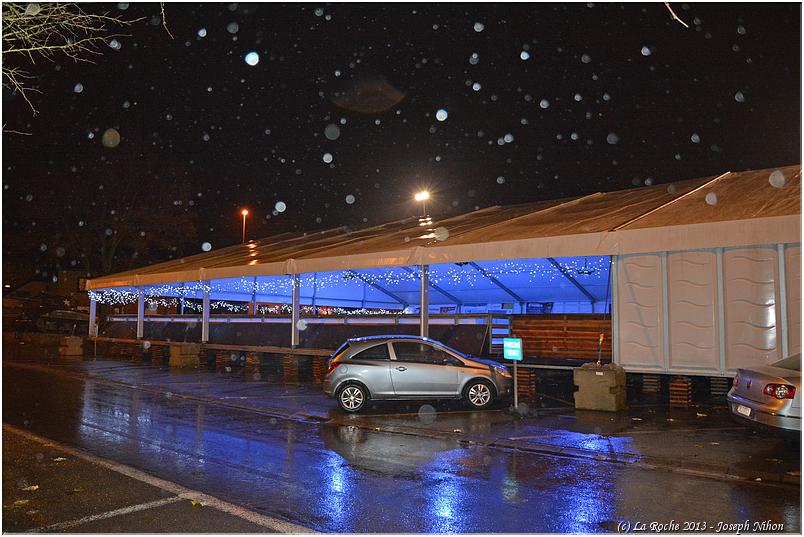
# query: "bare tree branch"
(164, 19)
(673, 14)
(16, 132)
(36, 30)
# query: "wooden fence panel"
(563, 336)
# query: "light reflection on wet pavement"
(337, 477)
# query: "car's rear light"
(332, 366)
(780, 391)
(736, 381)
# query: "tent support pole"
(93, 313)
(205, 314)
(450, 296)
(424, 301)
(295, 310)
(614, 312)
(721, 312)
(253, 305)
(783, 335)
(140, 313)
(665, 310)
(315, 290)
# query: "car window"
(409, 351)
(791, 362)
(378, 352)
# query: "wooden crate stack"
(319, 369)
(681, 391)
(651, 383)
(127, 351)
(223, 359)
(526, 384)
(160, 355)
(203, 357)
(138, 353)
(253, 363)
(290, 368)
(719, 385)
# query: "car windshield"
(791, 362)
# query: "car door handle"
(400, 368)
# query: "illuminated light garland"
(453, 275)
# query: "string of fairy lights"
(459, 275)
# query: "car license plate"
(744, 410)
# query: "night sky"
(338, 122)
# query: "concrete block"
(600, 387)
(71, 346)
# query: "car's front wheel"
(352, 397)
(479, 394)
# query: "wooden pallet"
(526, 384)
(223, 359)
(290, 368)
(719, 385)
(651, 383)
(319, 369)
(681, 391)
(252, 364)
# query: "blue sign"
(512, 348)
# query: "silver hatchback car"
(410, 368)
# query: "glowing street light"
(422, 196)
(244, 212)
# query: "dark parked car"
(64, 322)
(411, 368)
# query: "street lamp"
(422, 196)
(244, 212)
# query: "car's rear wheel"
(479, 394)
(352, 397)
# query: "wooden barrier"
(526, 384)
(563, 336)
(290, 368)
(319, 369)
(681, 391)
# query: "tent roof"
(677, 216)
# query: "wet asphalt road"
(339, 478)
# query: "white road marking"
(108, 514)
(181, 492)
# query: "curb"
(720, 472)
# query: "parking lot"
(208, 431)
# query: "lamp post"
(423, 196)
(244, 212)
(424, 273)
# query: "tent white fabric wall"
(708, 312)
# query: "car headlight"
(503, 371)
